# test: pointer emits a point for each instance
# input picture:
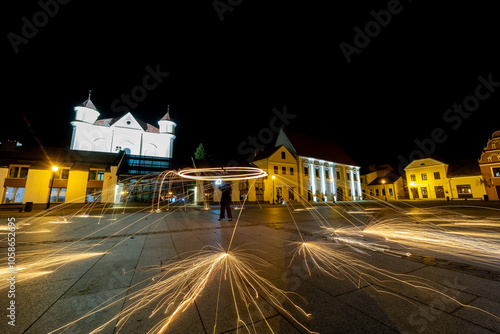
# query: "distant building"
(432, 178)
(308, 167)
(381, 182)
(282, 183)
(55, 176)
(326, 172)
(489, 164)
(123, 133)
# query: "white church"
(124, 133)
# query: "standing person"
(225, 200)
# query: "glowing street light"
(383, 189)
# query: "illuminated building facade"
(489, 164)
(124, 133)
(326, 173)
(54, 176)
(383, 183)
(432, 178)
(310, 168)
(282, 182)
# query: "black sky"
(226, 77)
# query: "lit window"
(464, 189)
(13, 195)
(496, 172)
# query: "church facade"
(124, 133)
(490, 166)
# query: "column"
(313, 181)
(353, 196)
(333, 177)
(358, 177)
(322, 177)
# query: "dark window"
(18, 172)
(291, 171)
(275, 169)
(437, 176)
(424, 176)
(61, 174)
(283, 155)
(413, 177)
(283, 170)
(96, 175)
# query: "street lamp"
(54, 170)
(383, 190)
(273, 177)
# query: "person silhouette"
(225, 200)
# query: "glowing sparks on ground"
(183, 282)
(228, 280)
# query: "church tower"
(87, 112)
(166, 125)
(167, 128)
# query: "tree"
(201, 153)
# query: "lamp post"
(54, 170)
(383, 190)
(273, 177)
(412, 184)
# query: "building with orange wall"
(490, 166)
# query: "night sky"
(229, 68)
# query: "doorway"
(439, 191)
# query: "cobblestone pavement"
(69, 266)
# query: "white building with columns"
(124, 133)
(325, 171)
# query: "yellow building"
(308, 168)
(383, 183)
(431, 178)
(281, 184)
(35, 178)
